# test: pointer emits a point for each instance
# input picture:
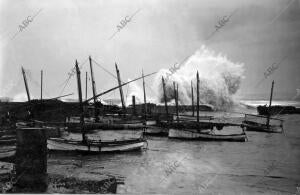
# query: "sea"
(266, 163)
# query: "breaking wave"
(220, 79)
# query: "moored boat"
(155, 130)
(204, 129)
(264, 123)
(206, 135)
(7, 153)
(259, 123)
(253, 126)
(75, 127)
(92, 146)
(60, 144)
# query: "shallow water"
(267, 163)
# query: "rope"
(127, 92)
(107, 71)
(66, 82)
(111, 74)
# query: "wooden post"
(31, 160)
(145, 101)
(96, 111)
(86, 80)
(193, 106)
(133, 106)
(270, 103)
(80, 102)
(26, 85)
(198, 99)
(41, 85)
(165, 97)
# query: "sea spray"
(220, 79)
(137, 91)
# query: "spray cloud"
(220, 79)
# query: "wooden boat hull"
(7, 153)
(8, 140)
(254, 126)
(186, 125)
(75, 127)
(194, 135)
(59, 144)
(274, 110)
(154, 130)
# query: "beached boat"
(8, 140)
(259, 123)
(204, 129)
(88, 145)
(162, 127)
(110, 119)
(253, 126)
(90, 127)
(7, 153)
(206, 135)
(264, 123)
(91, 146)
(155, 130)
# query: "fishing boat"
(60, 144)
(90, 127)
(207, 135)
(88, 145)
(204, 129)
(7, 153)
(7, 140)
(156, 130)
(262, 123)
(275, 124)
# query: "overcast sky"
(161, 34)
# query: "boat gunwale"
(98, 143)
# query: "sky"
(160, 34)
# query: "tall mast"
(41, 85)
(26, 85)
(120, 88)
(175, 98)
(145, 101)
(86, 79)
(94, 91)
(198, 99)
(114, 88)
(177, 109)
(80, 102)
(193, 106)
(165, 97)
(270, 103)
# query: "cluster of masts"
(95, 95)
(120, 85)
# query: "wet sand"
(266, 164)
